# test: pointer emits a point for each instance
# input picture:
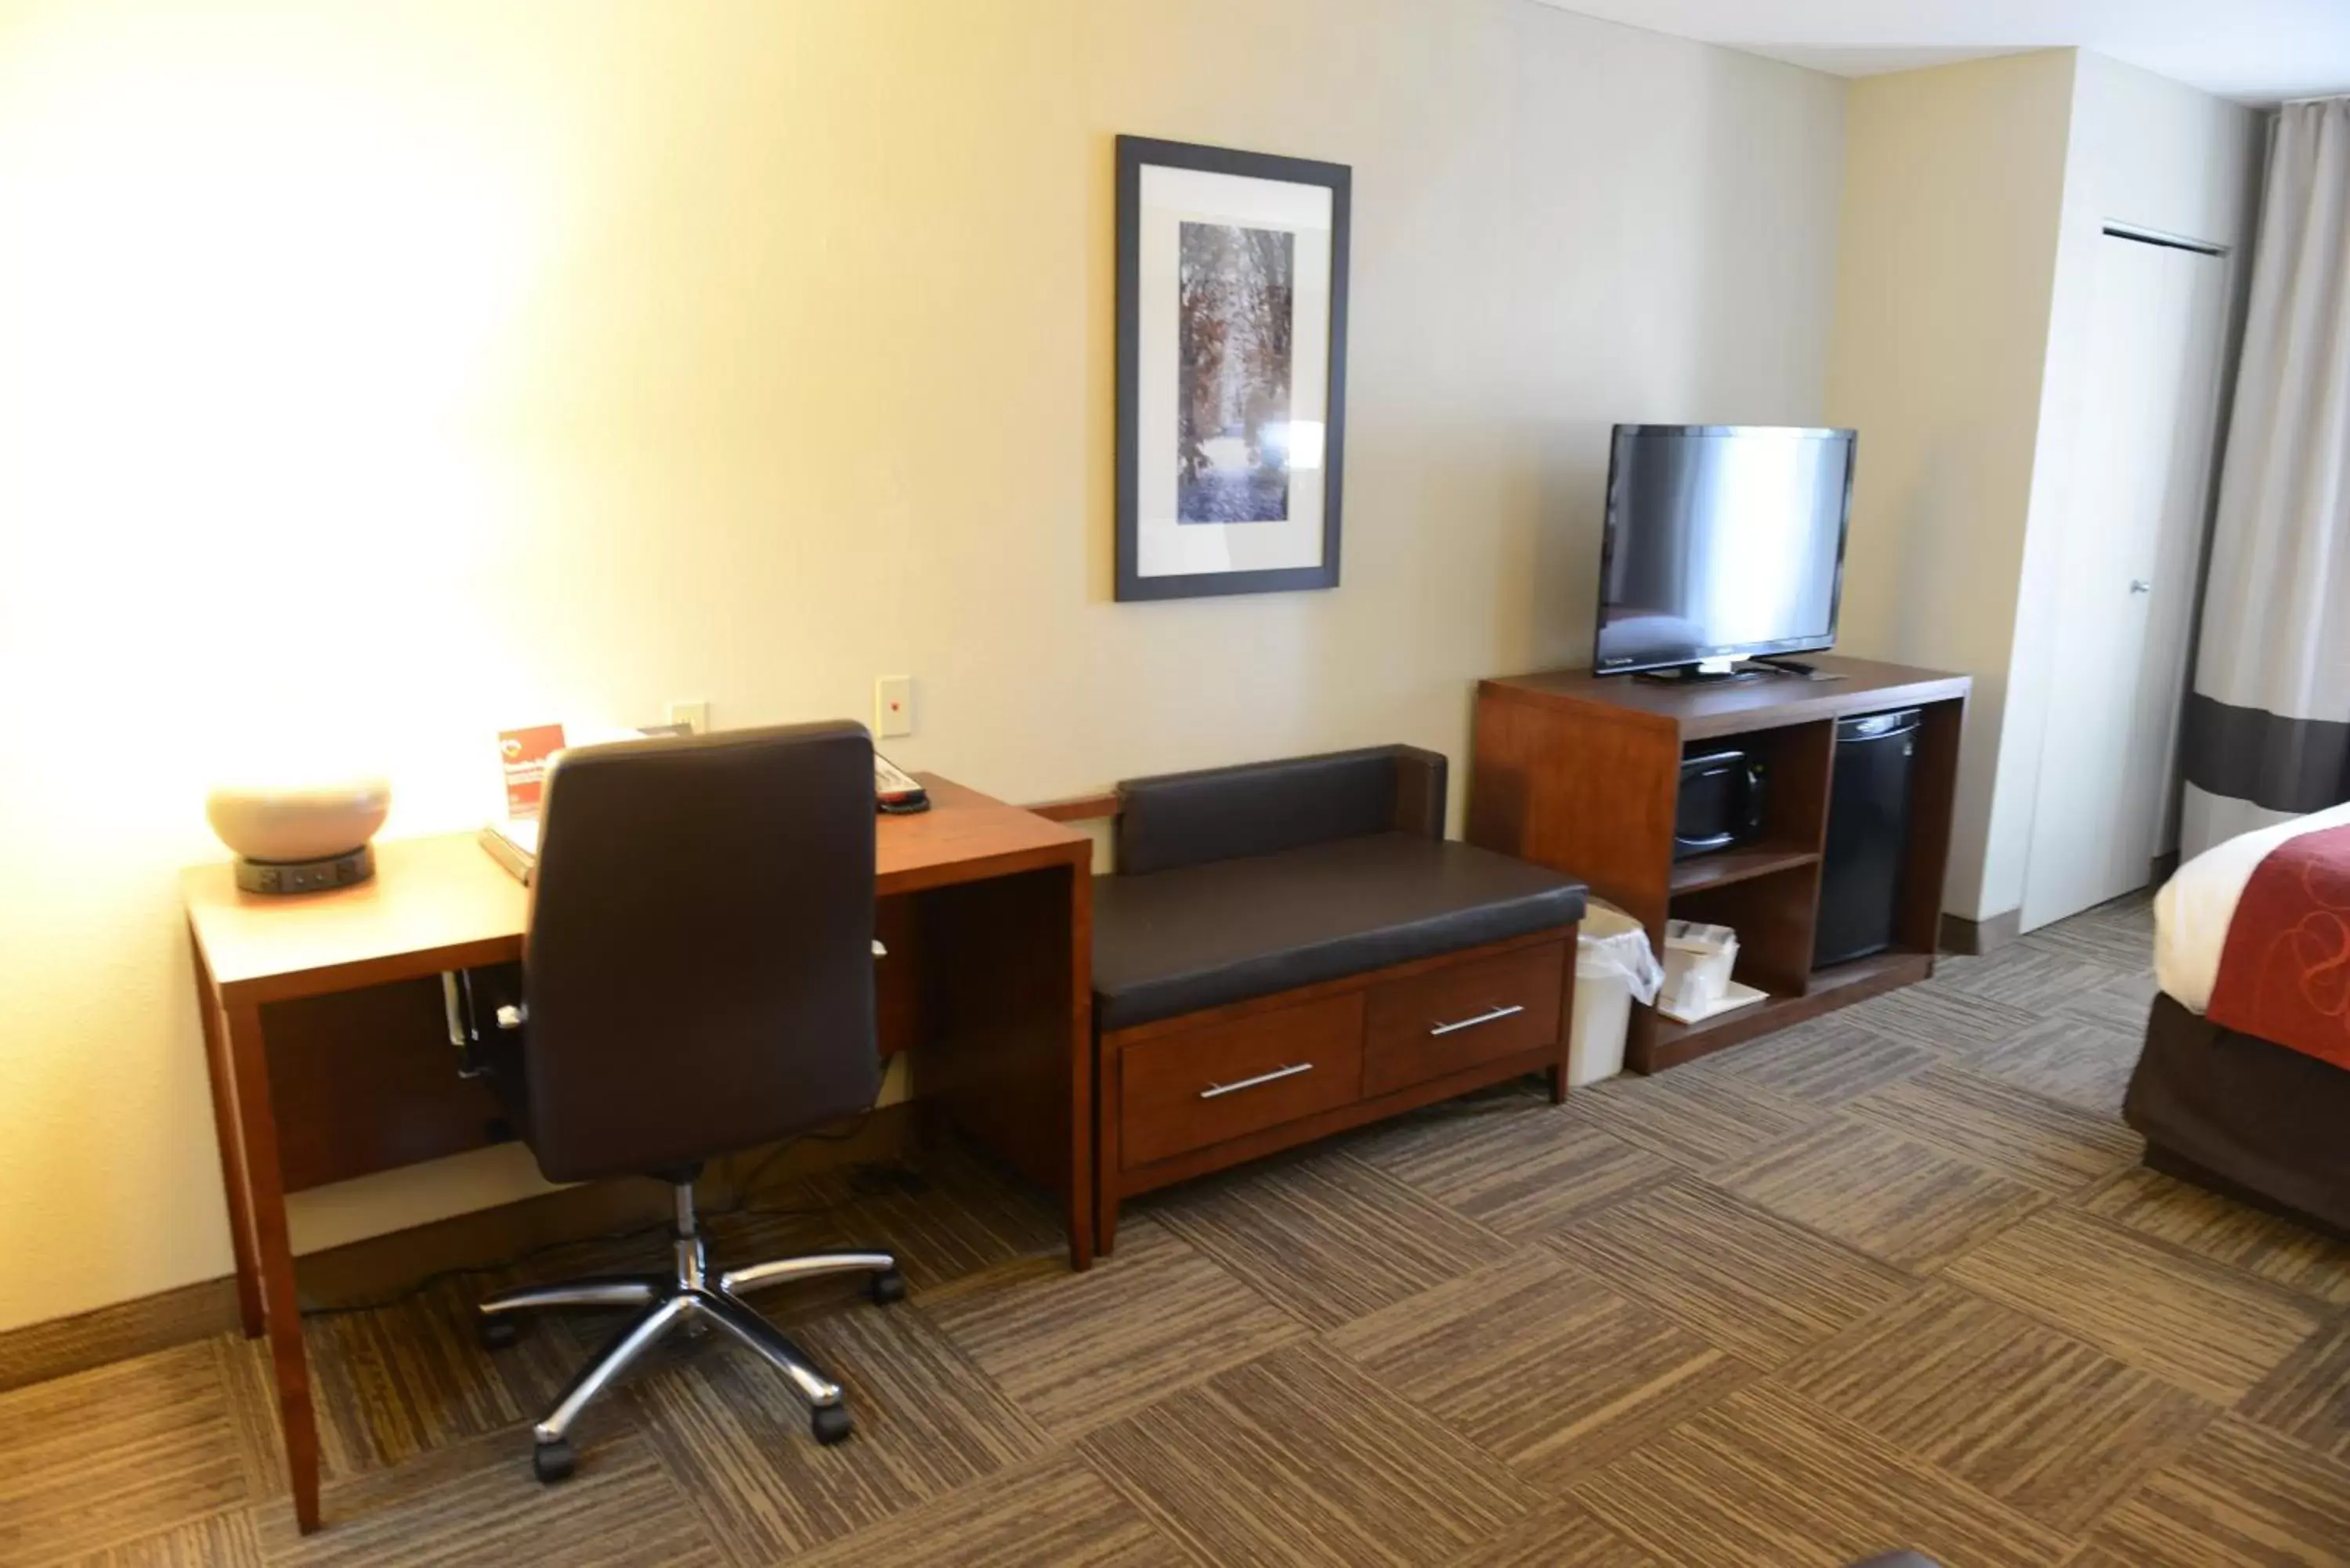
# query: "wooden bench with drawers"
(1291, 949)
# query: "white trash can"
(1614, 965)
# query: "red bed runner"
(2285, 973)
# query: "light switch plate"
(893, 706)
(694, 715)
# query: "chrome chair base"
(689, 1297)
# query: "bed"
(2224, 1099)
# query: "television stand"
(1583, 772)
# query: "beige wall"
(1953, 180)
(384, 377)
(1974, 194)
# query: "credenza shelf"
(1724, 867)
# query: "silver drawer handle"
(1212, 1090)
(1473, 1022)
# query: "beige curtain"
(2268, 722)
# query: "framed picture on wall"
(1232, 369)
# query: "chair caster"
(830, 1423)
(552, 1462)
(886, 1286)
(499, 1330)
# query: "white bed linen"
(2192, 911)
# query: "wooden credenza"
(1582, 774)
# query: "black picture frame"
(1135, 152)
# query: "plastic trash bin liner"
(1614, 966)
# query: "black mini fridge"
(1868, 820)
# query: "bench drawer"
(1456, 1017)
(1199, 1086)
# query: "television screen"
(1723, 542)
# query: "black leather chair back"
(1262, 808)
(698, 966)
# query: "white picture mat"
(1169, 198)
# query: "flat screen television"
(1724, 541)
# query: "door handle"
(2140, 586)
(1497, 1012)
(1212, 1090)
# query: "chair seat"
(1177, 941)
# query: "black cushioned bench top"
(1197, 937)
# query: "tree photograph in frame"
(1231, 304)
(1233, 296)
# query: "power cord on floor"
(750, 1183)
(865, 1179)
(469, 1271)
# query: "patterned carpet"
(1892, 1278)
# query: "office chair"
(697, 979)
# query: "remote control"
(896, 791)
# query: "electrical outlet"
(893, 706)
(694, 716)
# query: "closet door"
(2104, 805)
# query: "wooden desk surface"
(441, 902)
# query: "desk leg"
(1084, 1188)
(222, 1072)
(274, 1255)
(1006, 1046)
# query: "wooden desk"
(329, 1053)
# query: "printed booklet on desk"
(523, 754)
(514, 844)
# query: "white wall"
(1954, 181)
(2146, 153)
(746, 351)
(1974, 195)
